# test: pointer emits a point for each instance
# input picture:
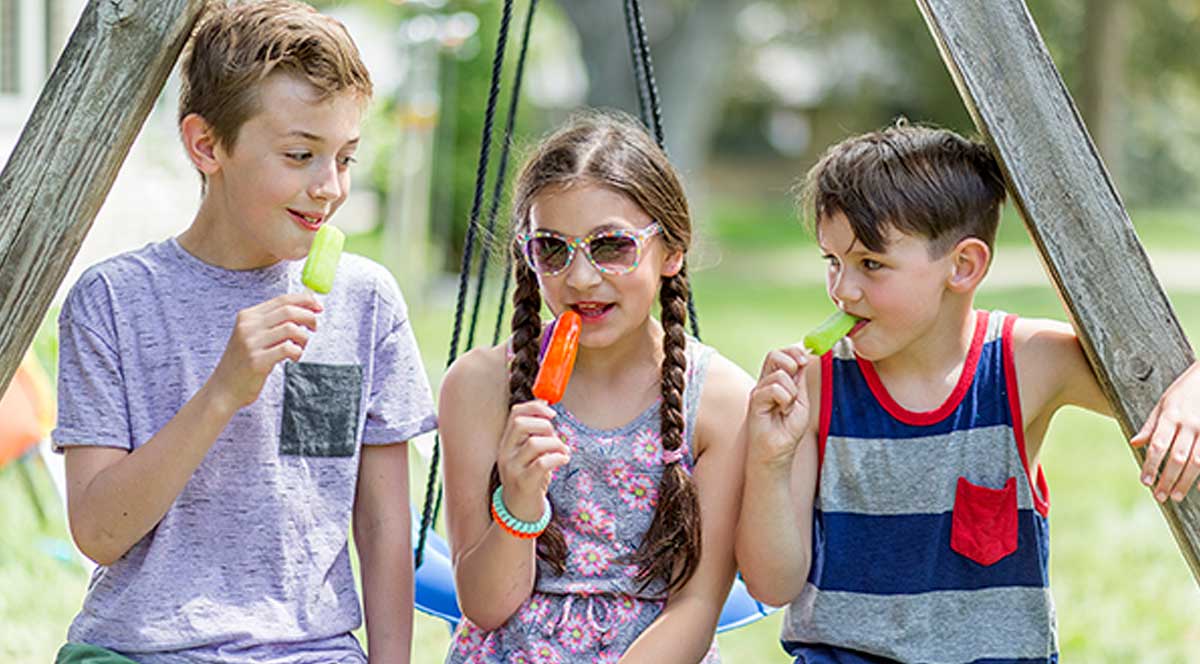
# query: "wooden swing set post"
(1073, 211)
(91, 109)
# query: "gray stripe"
(917, 475)
(945, 626)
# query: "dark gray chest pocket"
(320, 409)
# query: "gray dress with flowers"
(604, 500)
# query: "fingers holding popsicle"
(264, 335)
(530, 450)
(778, 411)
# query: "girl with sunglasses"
(599, 528)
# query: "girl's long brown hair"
(613, 151)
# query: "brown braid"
(526, 342)
(670, 551)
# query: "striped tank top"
(930, 538)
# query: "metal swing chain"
(427, 512)
(650, 108)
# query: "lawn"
(1122, 589)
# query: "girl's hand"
(778, 412)
(530, 450)
(1173, 433)
(263, 336)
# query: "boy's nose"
(326, 185)
(842, 288)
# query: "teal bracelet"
(526, 528)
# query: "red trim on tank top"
(1039, 489)
(951, 403)
(826, 408)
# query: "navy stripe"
(857, 414)
(806, 653)
(907, 554)
(815, 654)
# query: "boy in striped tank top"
(893, 496)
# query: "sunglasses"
(615, 251)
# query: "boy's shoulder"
(1052, 370)
(127, 265)
(119, 273)
(1042, 337)
(363, 277)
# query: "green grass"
(1123, 591)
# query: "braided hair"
(613, 151)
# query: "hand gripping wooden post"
(91, 109)
(1071, 208)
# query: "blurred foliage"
(876, 61)
(830, 68)
(464, 81)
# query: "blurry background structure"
(752, 92)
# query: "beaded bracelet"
(514, 526)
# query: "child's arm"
(1052, 372)
(684, 629)
(383, 539)
(493, 570)
(779, 436)
(115, 497)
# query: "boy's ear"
(969, 261)
(200, 143)
(673, 264)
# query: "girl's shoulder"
(479, 376)
(723, 399)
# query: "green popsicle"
(323, 259)
(821, 339)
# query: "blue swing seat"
(434, 581)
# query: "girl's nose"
(581, 274)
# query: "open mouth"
(592, 310)
(310, 221)
(862, 322)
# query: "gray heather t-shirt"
(251, 562)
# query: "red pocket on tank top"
(984, 525)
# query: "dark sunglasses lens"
(614, 251)
(549, 254)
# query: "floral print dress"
(604, 500)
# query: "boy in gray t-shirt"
(223, 428)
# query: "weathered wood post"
(68, 155)
(1071, 208)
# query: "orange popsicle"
(559, 358)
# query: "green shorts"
(81, 653)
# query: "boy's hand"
(264, 335)
(778, 412)
(530, 450)
(1173, 434)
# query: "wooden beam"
(1074, 213)
(72, 146)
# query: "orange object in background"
(559, 359)
(26, 410)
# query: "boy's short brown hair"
(919, 180)
(235, 47)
